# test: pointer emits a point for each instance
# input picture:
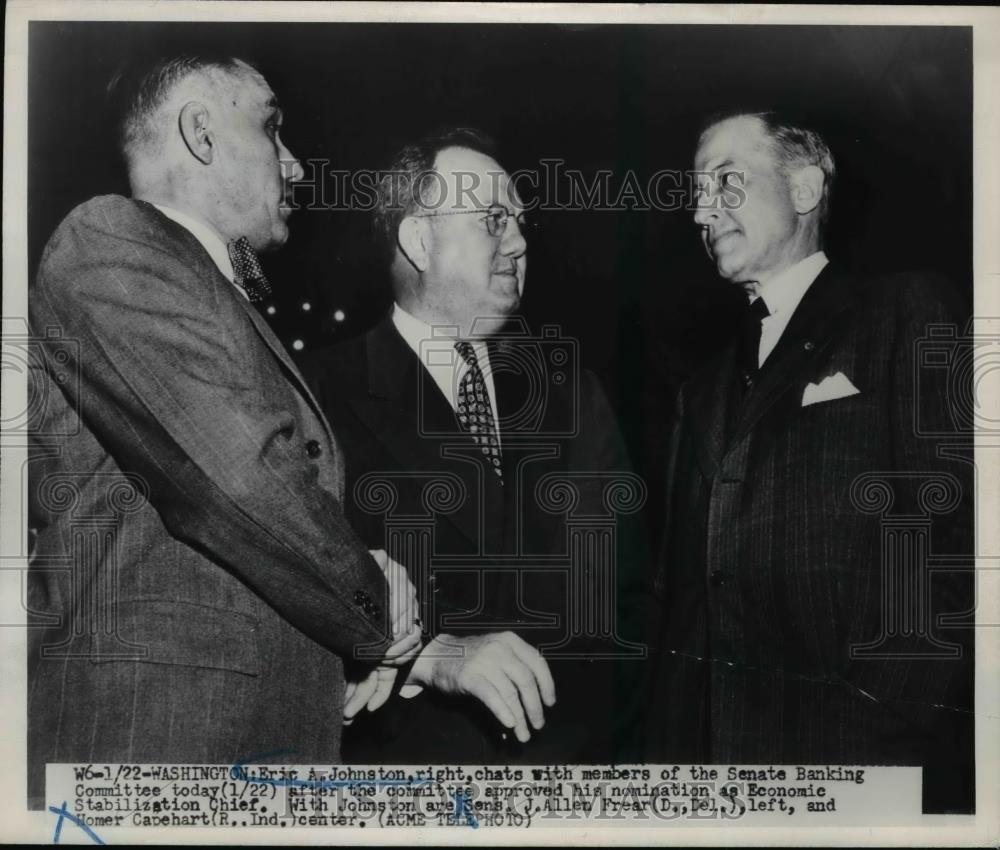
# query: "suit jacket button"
(717, 578)
(313, 449)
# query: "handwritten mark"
(462, 807)
(64, 814)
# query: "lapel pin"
(808, 346)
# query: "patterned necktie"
(246, 268)
(475, 412)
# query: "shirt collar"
(783, 292)
(208, 238)
(424, 338)
(415, 331)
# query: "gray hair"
(794, 146)
(139, 88)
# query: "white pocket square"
(830, 388)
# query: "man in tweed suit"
(194, 587)
(780, 643)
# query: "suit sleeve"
(601, 448)
(611, 693)
(923, 666)
(179, 388)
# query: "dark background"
(635, 288)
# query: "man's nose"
(706, 212)
(291, 168)
(513, 243)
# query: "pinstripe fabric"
(193, 584)
(771, 572)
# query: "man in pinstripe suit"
(799, 471)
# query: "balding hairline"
(208, 84)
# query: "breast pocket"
(187, 634)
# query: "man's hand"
(371, 692)
(404, 611)
(506, 674)
(375, 688)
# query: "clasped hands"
(500, 669)
(508, 675)
(404, 612)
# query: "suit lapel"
(403, 405)
(710, 403)
(406, 412)
(811, 331)
(514, 409)
(261, 326)
(517, 401)
(278, 350)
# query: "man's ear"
(413, 242)
(807, 188)
(195, 131)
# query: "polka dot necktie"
(475, 412)
(247, 270)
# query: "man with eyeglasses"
(450, 425)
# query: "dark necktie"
(749, 351)
(475, 412)
(247, 270)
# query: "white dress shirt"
(209, 240)
(435, 348)
(782, 295)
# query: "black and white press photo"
(534, 423)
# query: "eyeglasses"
(496, 217)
